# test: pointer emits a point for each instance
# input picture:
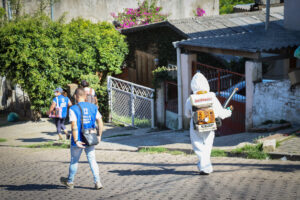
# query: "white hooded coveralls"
(202, 141)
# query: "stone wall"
(275, 101)
(100, 10)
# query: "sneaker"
(68, 136)
(65, 182)
(98, 186)
(203, 173)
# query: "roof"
(213, 25)
(239, 32)
(258, 40)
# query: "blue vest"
(89, 117)
(63, 103)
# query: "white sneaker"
(98, 186)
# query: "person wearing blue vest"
(91, 115)
(63, 102)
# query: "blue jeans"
(75, 155)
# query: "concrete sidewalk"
(130, 139)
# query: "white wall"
(100, 10)
(275, 101)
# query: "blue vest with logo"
(89, 117)
(63, 103)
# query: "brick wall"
(275, 101)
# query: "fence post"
(132, 106)
(152, 113)
(219, 82)
(109, 99)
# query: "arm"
(75, 134)
(219, 110)
(188, 109)
(96, 101)
(53, 105)
(70, 103)
(100, 128)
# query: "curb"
(292, 157)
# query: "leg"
(206, 165)
(90, 154)
(58, 127)
(75, 155)
(202, 144)
(63, 127)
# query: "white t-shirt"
(88, 90)
(72, 116)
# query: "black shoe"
(68, 136)
(204, 173)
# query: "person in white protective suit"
(202, 141)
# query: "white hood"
(199, 83)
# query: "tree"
(39, 54)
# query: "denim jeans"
(75, 155)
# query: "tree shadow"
(264, 167)
(32, 187)
(151, 172)
(37, 187)
(34, 139)
(50, 133)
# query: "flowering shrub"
(146, 13)
(199, 12)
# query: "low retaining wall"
(275, 101)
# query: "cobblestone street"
(34, 174)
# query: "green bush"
(161, 74)
(226, 6)
(40, 54)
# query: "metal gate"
(130, 104)
(222, 82)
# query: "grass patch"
(3, 140)
(120, 135)
(218, 153)
(50, 145)
(152, 150)
(142, 123)
(252, 151)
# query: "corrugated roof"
(258, 40)
(214, 25)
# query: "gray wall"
(100, 10)
(275, 101)
(292, 14)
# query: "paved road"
(34, 174)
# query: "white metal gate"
(130, 104)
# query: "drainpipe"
(9, 10)
(267, 14)
(179, 85)
(52, 17)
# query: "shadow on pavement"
(34, 139)
(50, 133)
(38, 187)
(32, 187)
(265, 167)
(151, 172)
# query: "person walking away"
(62, 102)
(90, 116)
(91, 96)
(203, 107)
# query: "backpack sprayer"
(218, 120)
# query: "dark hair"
(84, 83)
(80, 92)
